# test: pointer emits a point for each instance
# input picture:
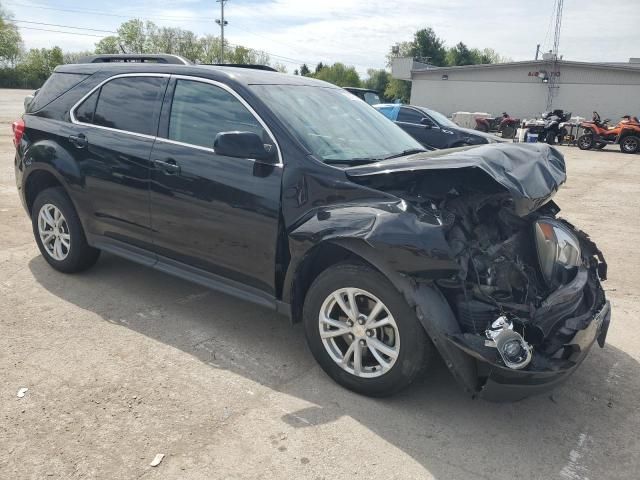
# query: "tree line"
(20, 68)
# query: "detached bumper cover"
(505, 384)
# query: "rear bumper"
(504, 384)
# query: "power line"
(64, 26)
(61, 31)
(101, 13)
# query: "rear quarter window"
(56, 85)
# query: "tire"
(402, 336)
(585, 142)
(630, 144)
(508, 132)
(66, 247)
(550, 138)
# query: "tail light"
(18, 131)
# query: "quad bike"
(598, 134)
(506, 125)
(552, 129)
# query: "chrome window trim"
(221, 85)
(235, 94)
(72, 111)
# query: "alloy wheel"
(54, 232)
(359, 333)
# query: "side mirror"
(427, 122)
(244, 145)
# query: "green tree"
(304, 70)
(108, 45)
(10, 40)
(38, 64)
(339, 74)
(378, 80)
(319, 67)
(426, 44)
(132, 35)
(398, 90)
(461, 55)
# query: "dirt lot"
(123, 363)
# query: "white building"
(521, 88)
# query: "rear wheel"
(585, 142)
(59, 234)
(362, 332)
(630, 144)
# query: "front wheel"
(585, 142)
(362, 332)
(630, 144)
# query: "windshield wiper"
(411, 151)
(351, 161)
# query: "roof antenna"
(122, 48)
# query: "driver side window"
(409, 115)
(199, 111)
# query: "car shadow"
(433, 421)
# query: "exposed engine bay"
(526, 284)
(521, 286)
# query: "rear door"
(410, 119)
(114, 128)
(216, 213)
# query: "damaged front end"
(526, 296)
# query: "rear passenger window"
(200, 111)
(56, 85)
(131, 104)
(84, 112)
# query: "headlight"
(558, 251)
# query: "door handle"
(78, 141)
(170, 166)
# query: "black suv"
(294, 194)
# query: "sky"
(355, 32)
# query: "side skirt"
(188, 272)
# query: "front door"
(113, 132)
(412, 121)
(212, 212)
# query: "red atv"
(505, 125)
(598, 134)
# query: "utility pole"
(554, 72)
(222, 22)
(537, 51)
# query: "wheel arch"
(431, 308)
(39, 179)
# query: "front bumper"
(504, 384)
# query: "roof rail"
(135, 58)
(243, 65)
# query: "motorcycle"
(552, 129)
(598, 134)
(506, 125)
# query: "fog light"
(515, 352)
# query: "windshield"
(439, 118)
(334, 125)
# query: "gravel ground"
(123, 363)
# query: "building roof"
(635, 67)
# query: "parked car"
(290, 193)
(432, 129)
(372, 97)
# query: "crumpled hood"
(531, 173)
